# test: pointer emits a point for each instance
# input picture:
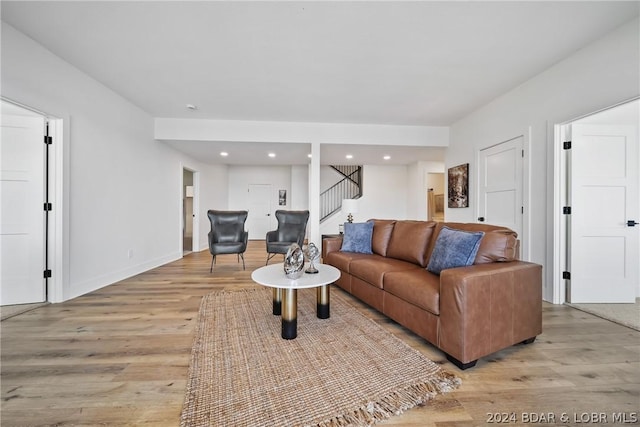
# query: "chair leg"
(242, 256)
(269, 256)
(213, 258)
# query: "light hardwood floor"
(119, 356)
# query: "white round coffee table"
(285, 292)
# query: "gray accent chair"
(227, 235)
(292, 228)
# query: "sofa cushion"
(409, 241)
(372, 268)
(454, 248)
(342, 260)
(418, 287)
(499, 244)
(382, 229)
(357, 237)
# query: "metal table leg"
(322, 302)
(277, 301)
(289, 313)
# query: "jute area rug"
(342, 371)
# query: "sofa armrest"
(488, 307)
(331, 244)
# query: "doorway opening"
(596, 207)
(435, 196)
(188, 213)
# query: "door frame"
(561, 248)
(195, 240)
(57, 238)
(59, 245)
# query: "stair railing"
(350, 187)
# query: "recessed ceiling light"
(349, 156)
(309, 155)
(191, 107)
(272, 155)
(224, 153)
(386, 157)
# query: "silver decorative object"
(313, 255)
(294, 262)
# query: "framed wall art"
(458, 183)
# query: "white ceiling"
(400, 63)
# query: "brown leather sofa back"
(409, 241)
(413, 241)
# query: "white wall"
(599, 75)
(123, 188)
(417, 193)
(278, 176)
(299, 187)
(397, 192)
(384, 196)
(385, 191)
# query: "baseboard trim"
(78, 289)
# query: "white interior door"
(22, 236)
(603, 198)
(259, 220)
(500, 185)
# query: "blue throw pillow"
(357, 237)
(454, 248)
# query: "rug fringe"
(395, 403)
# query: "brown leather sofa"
(467, 312)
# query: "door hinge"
(566, 145)
(47, 274)
(522, 209)
(48, 140)
(523, 153)
(566, 275)
(48, 207)
(566, 210)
